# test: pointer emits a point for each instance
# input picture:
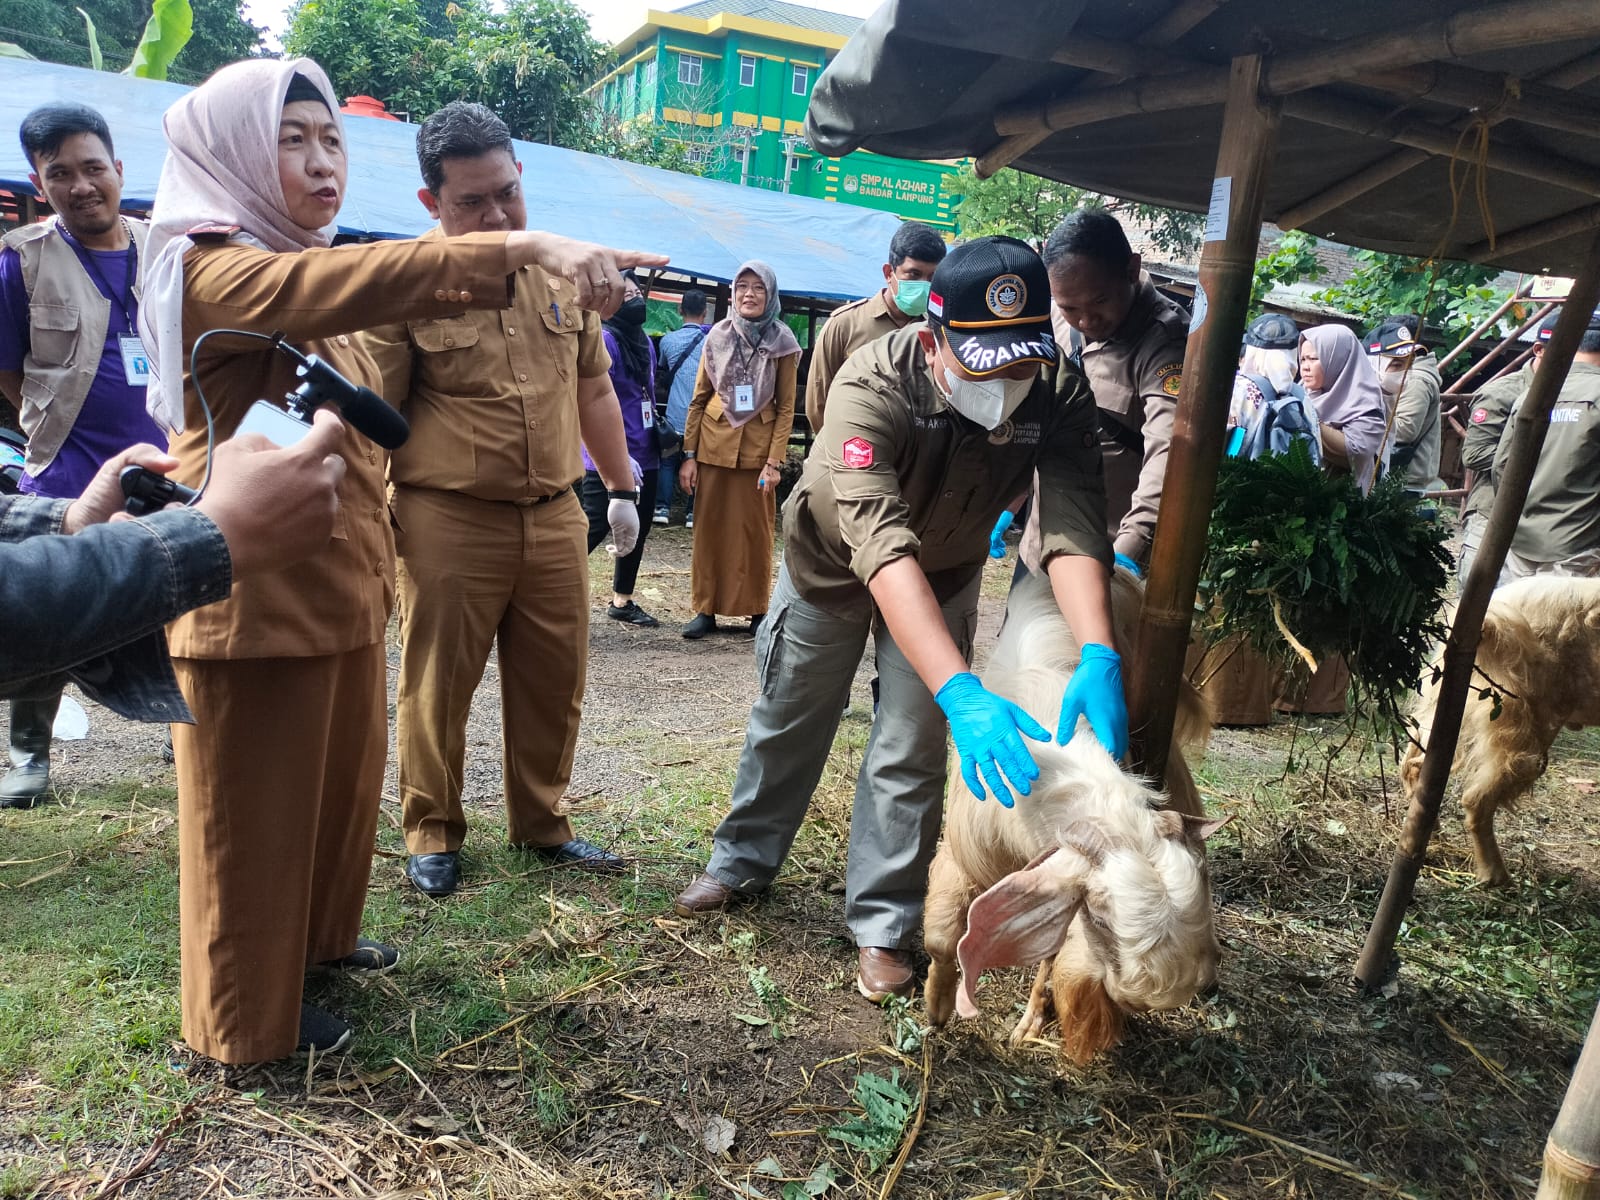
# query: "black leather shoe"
(632, 614)
(579, 853)
(702, 624)
(435, 874)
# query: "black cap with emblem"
(1549, 326)
(992, 297)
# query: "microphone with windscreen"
(362, 407)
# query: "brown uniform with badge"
(1559, 532)
(1485, 424)
(1136, 375)
(848, 327)
(492, 546)
(279, 780)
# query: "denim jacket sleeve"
(89, 608)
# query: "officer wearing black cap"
(1409, 375)
(931, 431)
(1486, 422)
(1559, 533)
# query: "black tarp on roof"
(926, 78)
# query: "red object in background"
(366, 106)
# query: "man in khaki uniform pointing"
(490, 535)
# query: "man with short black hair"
(680, 362)
(914, 252)
(70, 356)
(1409, 374)
(933, 428)
(490, 536)
(1559, 533)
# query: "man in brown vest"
(70, 357)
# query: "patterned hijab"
(738, 351)
(221, 169)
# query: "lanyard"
(125, 301)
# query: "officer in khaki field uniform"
(1130, 341)
(1408, 372)
(1486, 423)
(930, 431)
(280, 777)
(492, 539)
(914, 252)
(1559, 533)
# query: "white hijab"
(221, 170)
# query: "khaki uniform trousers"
(278, 789)
(475, 574)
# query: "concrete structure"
(734, 77)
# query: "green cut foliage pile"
(1293, 551)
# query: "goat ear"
(1201, 828)
(1021, 920)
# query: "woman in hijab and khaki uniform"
(735, 441)
(279, 778)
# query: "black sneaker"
(368, 958)
(321, 1032)
(632, 614)
(700, 626)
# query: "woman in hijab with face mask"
(633, 379)
(735, 442)
(279, 777)
(1341, 382)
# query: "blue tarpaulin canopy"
(818, 249)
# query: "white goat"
(1541, 651)
(1089, 840)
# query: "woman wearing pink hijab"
(280, 776)
(1349, 399)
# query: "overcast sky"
(610, 20)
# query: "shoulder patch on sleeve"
(1170, 378)
(857, 452)
(212, 233)
(1480, 415)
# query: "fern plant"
(1297, 559)
(886, 1110)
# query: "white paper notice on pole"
(1217, 214)
(1201, 307)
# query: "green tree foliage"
(54, 31)
(1026, 206)
(1453, 297)
(641, 140)
(1293, 258)
(528, 60)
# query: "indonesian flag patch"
(857, 453)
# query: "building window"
(697, 154)
(740, 153)
(802, 81)
(648, 74)
(689, 69)
(747, 70)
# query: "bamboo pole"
(1511, 492)
(1227, 263)
(1570, 74)
(1352, 116)
(1572, 1152)
(1540, 233)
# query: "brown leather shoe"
(884, 973)
(707, 894)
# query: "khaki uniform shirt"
(1416, 419)
(339, 599)
(713, 439)
(848, 327)
(491, 394)
(1562, 515)
(897, 473)
(1486, 422)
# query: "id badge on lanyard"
(744, 398)
(135, 362)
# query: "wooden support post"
(1572, 1152)
(1461, 649)
(1227, 263)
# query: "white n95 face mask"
(987, 402)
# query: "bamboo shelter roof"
(1455, 126)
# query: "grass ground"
(555, 1035)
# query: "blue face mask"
(911, 296)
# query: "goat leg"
(1033, 1016)
(944, 920)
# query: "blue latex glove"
(988, 731)
(1095, 691)
(997, 538)
(1124, 561)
